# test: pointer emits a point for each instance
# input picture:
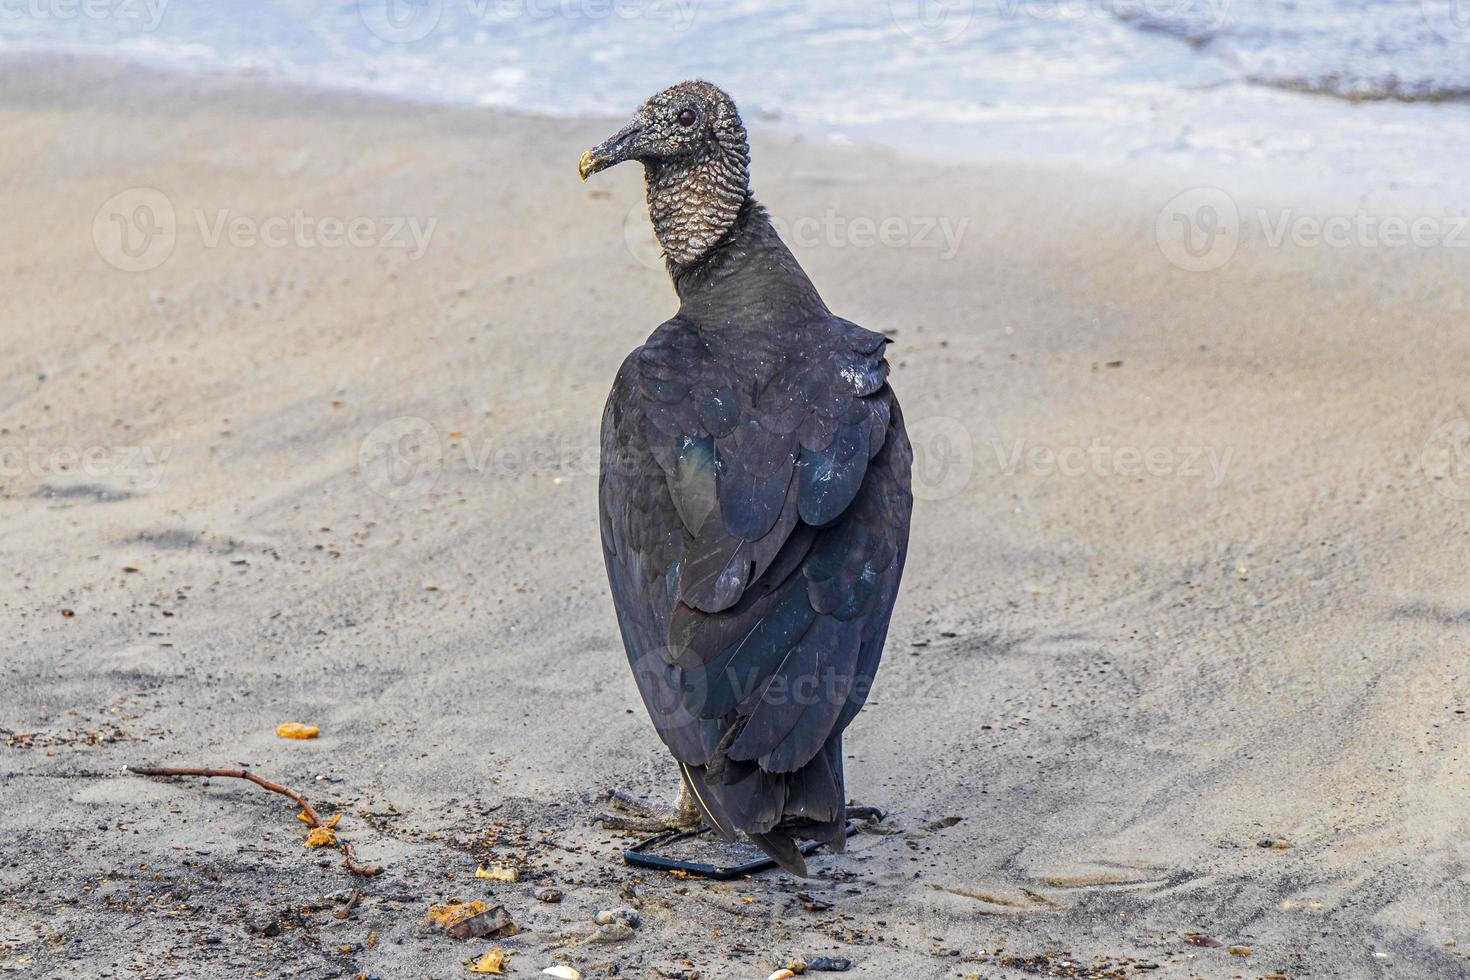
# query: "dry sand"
(1110, 677)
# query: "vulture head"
(696, 163)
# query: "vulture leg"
(640, 815)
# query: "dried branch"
(349, 859)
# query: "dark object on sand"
(643, 856)
(754, 497)
(830, 964)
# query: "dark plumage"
(754, 494)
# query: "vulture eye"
(687, 117)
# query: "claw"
(640, 815)
(642, 825)
(628, 803)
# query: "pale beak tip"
(584, 166)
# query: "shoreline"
(1194, 156)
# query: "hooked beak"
(613, 150)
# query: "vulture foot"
(628, 812)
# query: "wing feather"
(754, 525)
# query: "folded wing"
(754, 529)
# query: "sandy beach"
(298, 408)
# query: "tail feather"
(776, 810)
(783, 849)
(707, 801)
(816, 791)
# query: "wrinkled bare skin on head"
(696, 159)
(693, 199)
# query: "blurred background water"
(1372, 95)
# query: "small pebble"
(621, 914)
(264, 924)
(548, 895)
(613, 932)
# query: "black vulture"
(754, 496)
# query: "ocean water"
(1370, 94)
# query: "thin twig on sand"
(345, 912)
(312, 817)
